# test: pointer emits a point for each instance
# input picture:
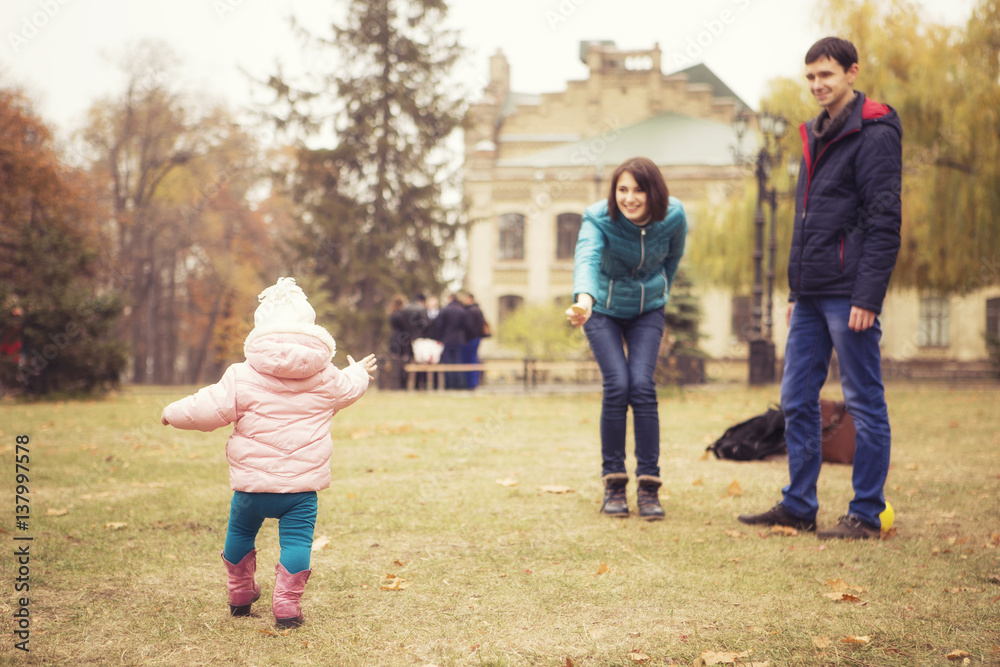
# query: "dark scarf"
(825, 129)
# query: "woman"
(626, 257)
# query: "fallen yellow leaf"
(635, 656)
(821, 642)
(509, 481)
(958, 654)
(320, 543)
(735, 488)
(603, 568)
(852, 639)
(784, 530)
(697, 482)
(735, 533)
(115, 525)
(392, 582)
(555, 489)
(56, 512)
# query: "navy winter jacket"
(847, 209)
(628, 269)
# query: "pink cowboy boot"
(243, 589)
(288, 589)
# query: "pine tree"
(681, 362)
(369, 212)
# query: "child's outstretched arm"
(352, 382)
(209, 408)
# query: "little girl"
(281, 401)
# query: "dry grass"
(504, 575)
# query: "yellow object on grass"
(888, 516)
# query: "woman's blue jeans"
(296, 515)
(626, 351)
(818, 326)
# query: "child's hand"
(163, 419)
(368, 363)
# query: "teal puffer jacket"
(628, 269)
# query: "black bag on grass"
(753, 439)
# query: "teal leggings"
(296, 515)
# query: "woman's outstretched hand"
(580, 311)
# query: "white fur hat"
(284, 308)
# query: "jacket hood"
(287, 355)
(876, 112)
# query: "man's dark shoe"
(648, 496)
(850, 528)
(778, 516)
(614, 495)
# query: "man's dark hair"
(648, 177)
(835, 48)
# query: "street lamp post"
(772, 128)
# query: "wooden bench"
(439, 370)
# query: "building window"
(993, 319)
(933, 329)
(507, 305)
(567, 229)
(511, 236)
(741, 320)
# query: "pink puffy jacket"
(281, 399)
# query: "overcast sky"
(58, 49)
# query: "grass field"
(485, 507)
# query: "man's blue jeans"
(626, 352)
(818, 326)
(296, 515)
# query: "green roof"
(668, 139)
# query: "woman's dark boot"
(614, 495)
(649, 498)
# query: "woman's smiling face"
(631, 199)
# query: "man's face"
(830, 84)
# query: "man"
(477, 327)
(415, 324)
(844, 247)
(452, 327)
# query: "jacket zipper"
(805, 196)
(611, 287)
(642, 259)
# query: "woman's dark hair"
(648, 177)
(835, 48)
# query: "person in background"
(478, 329)
(415, 325)
(453, 328)
(627, 254)
(400, 351)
